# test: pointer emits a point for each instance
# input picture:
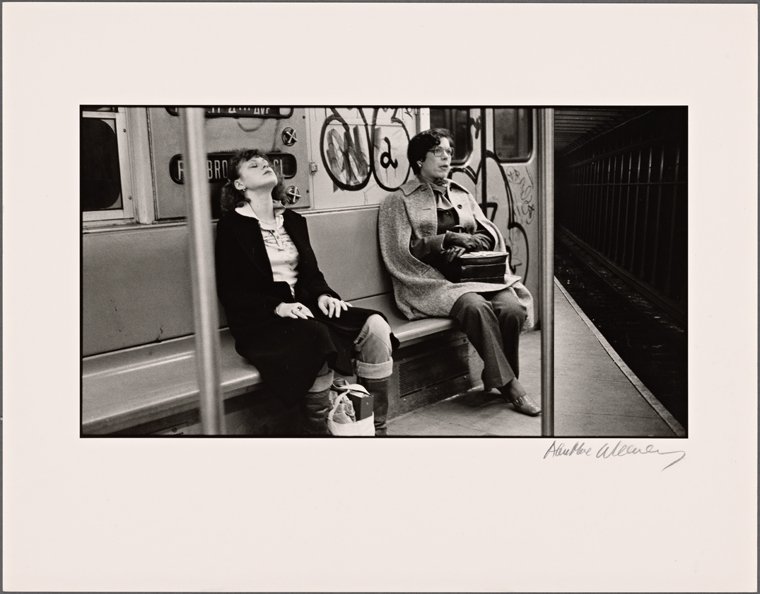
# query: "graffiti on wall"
(523, 190)
(520, 214)
(516, 192)
(361, 144)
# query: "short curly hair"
(231, 197)
(422, 143)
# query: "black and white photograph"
(380, 297)
(405, 296)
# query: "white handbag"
(343, 409)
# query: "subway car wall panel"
(136, 288)
(352, 233)
(224, 135)
(359, 153)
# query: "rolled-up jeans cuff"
(322, 382)
(374, 370)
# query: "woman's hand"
(293, 310)
(453, 253)
(460, 240)
(331, 306)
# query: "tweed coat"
(287, 352)
(420, 289)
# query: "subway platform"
(595, 393)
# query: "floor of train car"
(593, 396)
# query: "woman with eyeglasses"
(283, 315)
(423, 228)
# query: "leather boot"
(316, 408)
(379, 388)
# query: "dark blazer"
(287, 352)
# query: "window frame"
(127, 210)
(532, 147)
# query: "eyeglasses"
(439, 151)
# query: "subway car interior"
(592, 202)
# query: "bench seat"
(131, 387)
(407, 331)
(127, 388)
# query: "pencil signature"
(607, 451)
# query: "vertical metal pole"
(637, 196)
(546, 278)
(587, 188)
(202, 267)
(607, 216)
(597, 204)
(645, 219)
(618, 208)
(673, 215)
(483, 173)
(658, 230)
(627, 223)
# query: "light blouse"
(282, 252)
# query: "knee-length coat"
(287, 352)
(420, 289)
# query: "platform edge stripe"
(651, 399)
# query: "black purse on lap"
(479, 267)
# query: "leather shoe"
(523, 404)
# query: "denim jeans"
(373, 349)
(373, 354)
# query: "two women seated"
(297, 331)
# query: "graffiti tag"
(515, 231)
(524, 193)
(357, 148)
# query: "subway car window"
(102, 167)
(512, 134)
(456, 121)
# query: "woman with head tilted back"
(285, 318)
(424, 228)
